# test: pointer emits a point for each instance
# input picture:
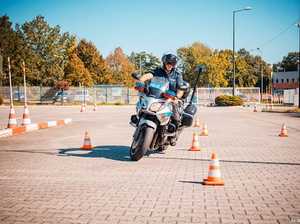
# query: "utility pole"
(24, 75)
(261, 76)
(299, 66)
(233, 43)
(233, 54)
(10, 83)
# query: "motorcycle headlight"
(155, 107)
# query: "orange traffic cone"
(87, 142)
(197, 123)
(204, 131)
(82, 109)
(12, 119)
(95, 107)
(195, 143)
(214, 173)
(283, 131)
(26, 119)
(255, 108)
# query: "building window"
(293, 80)
(277, 81)
(282, 80)
(287, 80)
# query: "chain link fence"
(206, 96)
(112, 94)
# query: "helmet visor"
(173, 63)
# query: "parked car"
(80, 96)
(18, 96)
(243, 97)
(58, 95)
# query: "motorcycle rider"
(168, 70)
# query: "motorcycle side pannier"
(188, 115)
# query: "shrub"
(118, 103)
(1, 100)
(225, 100)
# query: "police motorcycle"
(154, 128)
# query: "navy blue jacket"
(175, 78)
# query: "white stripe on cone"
(12, 121)
(214, 173)
(12, 117)
(26, 119)
(215, 162)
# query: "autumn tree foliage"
(219, 64)
(52, 56)
(75, 71)
(94, 62)
(191, 56)
(49, 46)
(121, 67)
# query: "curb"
(33, 127)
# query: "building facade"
(284, 80)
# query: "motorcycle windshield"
(157, 86)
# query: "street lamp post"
(261, 76)
(299, 66)
(233, 44)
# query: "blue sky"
(163, 26)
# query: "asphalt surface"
(46, 178)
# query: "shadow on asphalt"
(113, 152)
(191, 182)
(294, 114)
(229, 161)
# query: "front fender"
(144, 122)
(148, 123)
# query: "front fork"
(159, 138)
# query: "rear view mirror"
(136, 76)
(201, 69)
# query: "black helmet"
(169, 59)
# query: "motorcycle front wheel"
(140, 146)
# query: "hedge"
(225, 100)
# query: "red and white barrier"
(32, 127)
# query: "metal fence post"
(128, 96)
(106, 95)
(40, 94)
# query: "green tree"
(7, 44)
(50, 46)
(249, 69)
(121, 67)
(12, 45)
(190, 57)
(288, 63)
(94, 62)
(148, 62)
(218, 67)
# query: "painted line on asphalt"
(226, 161)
